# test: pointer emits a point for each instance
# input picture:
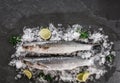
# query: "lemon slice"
(82, 77)
(28, 73)
(45, 33)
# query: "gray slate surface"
(15, 14)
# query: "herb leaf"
(84, 34)
(14, 40)
(110, 58)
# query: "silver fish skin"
(63, 63)
(56, 48)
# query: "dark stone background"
(15, 14)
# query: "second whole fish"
(55, 63)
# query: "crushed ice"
(68, 34)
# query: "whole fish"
(55, 48)
(57, 63)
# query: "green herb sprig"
(14, 40)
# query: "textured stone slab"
(115, 78)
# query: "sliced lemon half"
(82, 77)
(45, 33)
(28, 73)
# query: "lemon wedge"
(82, 77)
(45, 33)
(28, 73)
